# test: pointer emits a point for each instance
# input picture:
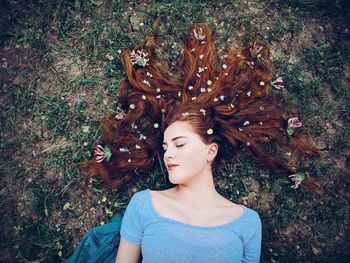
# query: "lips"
(171, 166)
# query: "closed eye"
(177, 146)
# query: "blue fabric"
(100, 244)
(167, 240)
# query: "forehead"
(178, 129)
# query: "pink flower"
(297, 179)
(139, 58)
(199, 35)
(254, 51)
(120, 116)
(278, 83)
(102, 153)
(294, 123)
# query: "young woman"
(205, 113)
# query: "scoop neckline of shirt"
(190, 225)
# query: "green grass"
(49, 120)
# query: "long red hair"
(232, 99)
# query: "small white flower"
(201, 56)
(202, 90)
(198, 75)
(260, 123)
(190, 87)
(146, 82)
(222, 97)
(185, 114)
(246, 123)
(209, 89)
(200, 70)
(248, 93)
(215, 99)
(202, 111)
(209, 82)
(224, 66)
(158, 90)
(240, 129)
(193, 49)
(193, 98)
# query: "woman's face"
(186, 155)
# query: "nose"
(168, 154)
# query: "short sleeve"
(252, 246)
(131, 229)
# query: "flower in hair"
(209, 82)
(138, 147)
(179, 94)
(293, 123)
(142, 137)
(102, 153)
(200, 69)
(132, 106)
(248, 93)
(262, 83)
(255, 49)
(124, 150)
(222, 97)
(202, 90)
(216, 99)
(185, 114)
(149, 74)
(201, 56)
(199, 35)
(193, 98)
(158, 90)
(147, 83)
(139, 58)
(120, 116)
(156, 125)
(190, 87)
(278, 83)
(224, 66)
(202, 111)
(246, 123)
(209, 89)
(144, 97)
(297, 179)
(210, 131)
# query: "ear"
(212, 151)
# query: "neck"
(198, 193)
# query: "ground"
(60, 70)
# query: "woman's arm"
(127, 252)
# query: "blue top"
(167, 240)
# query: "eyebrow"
(173, 139)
